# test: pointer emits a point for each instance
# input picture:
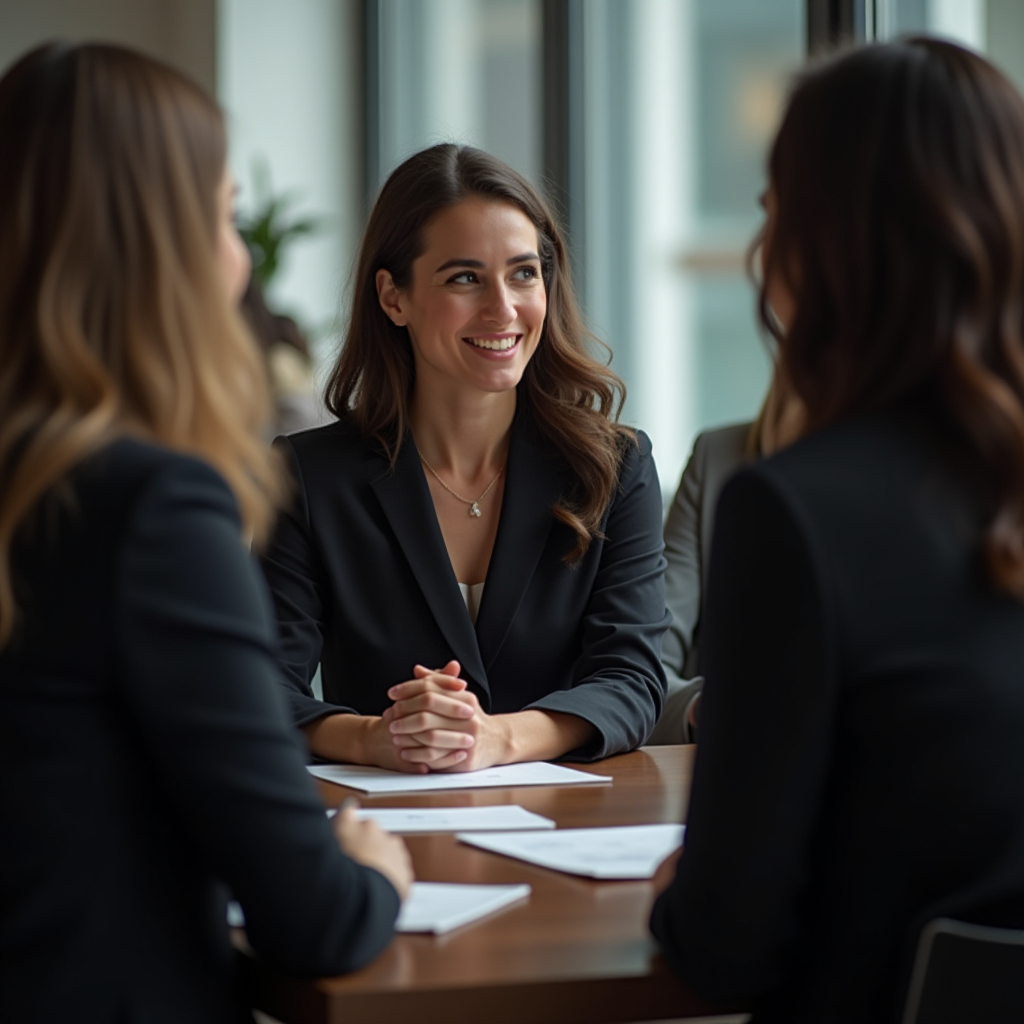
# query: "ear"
(390, 298)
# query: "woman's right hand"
(367, 843)
(430, 719)
(361, 739)
(368, 739)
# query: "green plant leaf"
(270, 229)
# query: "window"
(466, 71)
(682, 100)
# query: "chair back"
(966, 974)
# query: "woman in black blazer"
(473, 555)
(866, 592)
(146, 763)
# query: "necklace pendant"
(474, 510)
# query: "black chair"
(966, 974)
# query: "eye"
(463, 277)
(527, 272)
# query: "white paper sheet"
(379, 781)
(436, 907)
(439, 907)
(499, 818)
(633, 851)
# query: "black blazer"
(147, 764)
(847, 606)
(363, 585)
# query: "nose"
(498, 306)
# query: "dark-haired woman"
(866, 593)
(474, 553)
(145, 767)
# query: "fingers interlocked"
(434, 720)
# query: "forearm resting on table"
(342, 737)
(536, 735)
(531, 735)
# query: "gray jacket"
(717, 454)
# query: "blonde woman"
(144, 761)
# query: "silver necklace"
(474, 506)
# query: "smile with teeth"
(502, 344)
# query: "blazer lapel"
(405, 498)
(533, 484)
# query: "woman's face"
(780, 298)
(232, 255)
(476, 305)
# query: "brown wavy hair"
(113, 317)
(898, 179)
(572, 397)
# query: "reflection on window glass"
(909, 16)
(466, 71)
(684, 97)
(746, 51)
(992, 27)
(962, 20)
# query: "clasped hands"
(437, 724)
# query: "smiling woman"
(476, 306)
(474, 551)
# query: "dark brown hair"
(898, 179)
(114, 318)
(573, 399)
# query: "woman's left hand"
(434, 711)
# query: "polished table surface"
(576, 950)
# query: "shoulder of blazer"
(725, 445)
(636, 468)
(338, 448)
(635, 453)
(719, 453)
(129, 464)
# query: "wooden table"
(576, 951)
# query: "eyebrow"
(524, 257)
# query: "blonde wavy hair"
(114, 320)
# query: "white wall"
(289, 77)
(180, 32)
(288, 73)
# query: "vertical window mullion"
(835, 23)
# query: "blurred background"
(646, 123)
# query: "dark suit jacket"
(847, 607)
(363, 584)
(146, 761)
